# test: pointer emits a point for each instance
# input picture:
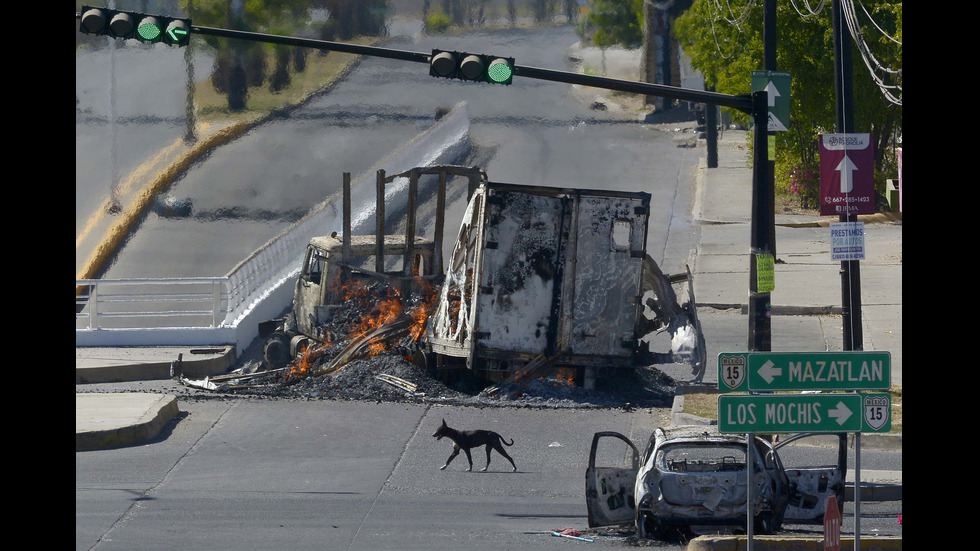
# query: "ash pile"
(368, 356)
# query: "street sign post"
(789, 413)
(769, 371)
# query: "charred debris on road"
(373, 361)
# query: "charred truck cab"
(538, 278)
(327, 269)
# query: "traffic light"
(140, 26)
(478, 67)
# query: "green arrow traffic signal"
(178, 32)
(140, 26)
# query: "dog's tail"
(511, 443)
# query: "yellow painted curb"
(789, 543)
(118, 232)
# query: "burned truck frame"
(538, 278)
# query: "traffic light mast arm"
(312, 43)
(742, 103)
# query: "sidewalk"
(806, 301)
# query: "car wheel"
(764, 523)
(649, 527)
(641, 526)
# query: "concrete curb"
(116, 365)
(156, 411)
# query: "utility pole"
(769, 64)
(850, 270)
(760, 255)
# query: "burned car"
(696, 476)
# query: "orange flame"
(381, 307)
(307, 359)
(565, 375)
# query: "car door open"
(815, 473)
(609, 486)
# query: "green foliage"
(726, 46)
(244, 64)
(617, 23)
(437, 22)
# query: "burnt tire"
(275, 352)
(764, 523)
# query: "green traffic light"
(177, 34)
(500, 71)
(149, 29)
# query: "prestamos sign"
(846, 241)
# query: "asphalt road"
(239, 472)
(270, 474)
(532, 132)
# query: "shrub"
(437, 22)
(804, 182)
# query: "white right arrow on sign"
(841, 413)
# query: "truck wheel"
(275, 352)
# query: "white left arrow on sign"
(769, 371)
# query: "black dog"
(468, 439)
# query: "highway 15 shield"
(847, 184)
(732, 369)
(877, 412)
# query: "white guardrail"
(226, 310)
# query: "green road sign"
(732, 369)
(823, 413)
(819, 371)
(777, 84)
(766, 371)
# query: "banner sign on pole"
(847, 183)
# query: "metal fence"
(151, 303)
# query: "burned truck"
(539, 278)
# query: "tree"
(726, 46)
(241, 64)
(617, 23)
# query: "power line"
(870, 61)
